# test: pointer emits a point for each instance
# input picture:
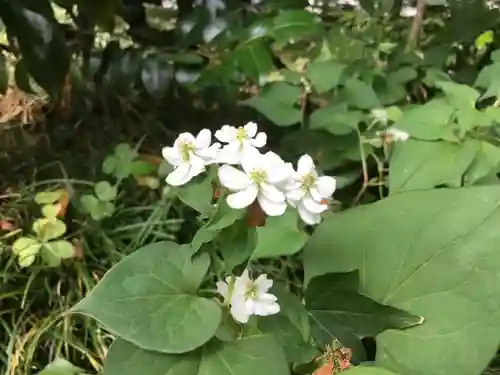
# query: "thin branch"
(416, 25)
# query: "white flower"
(260, 179)
(394, 134)
(189, 156)
(309, 192)
(249, 297)
(239, 140)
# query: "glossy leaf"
(254, 59)
(150, 299)
(338, 311)
(41, 43)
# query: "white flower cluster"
(248, 297)
(249, 174)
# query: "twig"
(416, 25)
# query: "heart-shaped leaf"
(150, 299)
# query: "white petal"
(211, 154)
(233, 178)
(171, 155)
(250, 129)
(222, 289)
(180, 175)
(326, 185)
(313, 206)
(229, 154)
(271, 208)
(243, 198)
(307, 216)
(239, 309)
(203, 139)
(184, 138)
(266, 305)
(226, 134)
(251, 159)
(263, 283)
(305, 165)
(260, 140)
(277, 170)
(295, 194)
(272, 193)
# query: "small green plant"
(47, 231)
(123, 163)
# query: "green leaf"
(236, 243)
(198, 195)
(4, 74)
(150, 299)
(368, 370)
(41, 43)
(156, 75)
(430, 121)
(361, 95)
(48, 197)
(489, 79)
(278, 103)
(325, 75)
(246, 356)
(290, 26)
(97, 209)
(254, 59)
(142, 168)
(486, 162)
(459, 95)
(416, 165)
(339, 311)
(22, 77)
(336, 119)
(61, 366)
(28, 244)
(50, 211)
(280, 236)
(434, 254)
(48, 229)
(60, 249)
(223, 218)
(290, 326)
(105, 191)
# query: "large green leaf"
(336, 119)
(41, 43)
(430, 121)
(292, 25)
(417, 165)
(150, 299)
(247, 356)
(339, 311)
(280, 236)
(361, 95)
(325, 75)
(432, 253)
(254, 59)
(278, 103)
(368, 370)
